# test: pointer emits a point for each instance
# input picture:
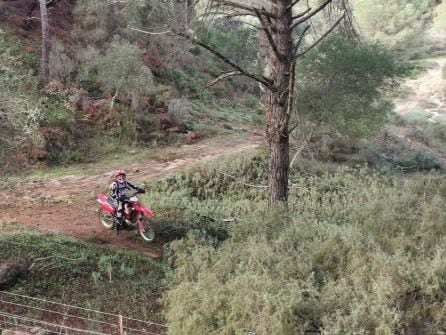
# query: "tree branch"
(311, 14)
(293, 4)
(226, 15)
(269, 36)
(301, 14)
(301, 37)
(240, 6)
(291, 85)
(223, 76)
(306, 140)
(150, 33)
(33, 18)
(49, 257)
(250, 185)
(291, 90)
(265, 81)
(321, 38)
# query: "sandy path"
(426, 93)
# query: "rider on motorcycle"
(118, 191)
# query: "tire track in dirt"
(67, 204)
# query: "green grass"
(79, 273)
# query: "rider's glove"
(142, 191)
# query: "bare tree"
(187, 5)
(45, 65)
(27, 25)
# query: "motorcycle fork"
(139, 222)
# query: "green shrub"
(215, 180)
(423, 159)
(204, 200)
(78, 156)
(90, 85)
(127, 128)
(189, 80)
(123, 72)
(354, 252)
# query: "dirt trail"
(426, 93)
(67, 204)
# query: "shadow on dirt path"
(67, 204)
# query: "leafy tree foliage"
(97, 22)
(122, 70)
(341, 87)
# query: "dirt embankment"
(67, 204)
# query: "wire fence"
(36, 315)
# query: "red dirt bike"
(135, 215)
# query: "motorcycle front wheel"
(146, 230)
(106, 219)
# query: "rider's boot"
(118, 224)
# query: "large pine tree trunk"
(277, 112)
(45, 65)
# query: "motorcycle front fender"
(147, 212)
(105, 206)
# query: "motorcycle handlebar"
(127, 197)
(137, 192)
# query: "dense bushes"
(20, 114)
(204, 200)
(356, 252)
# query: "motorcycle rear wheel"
(106, 219)
(147, 232)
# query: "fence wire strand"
(66, 315)
(84, 309)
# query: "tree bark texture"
(277, 113)
(45, 65)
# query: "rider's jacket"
(118, 190)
